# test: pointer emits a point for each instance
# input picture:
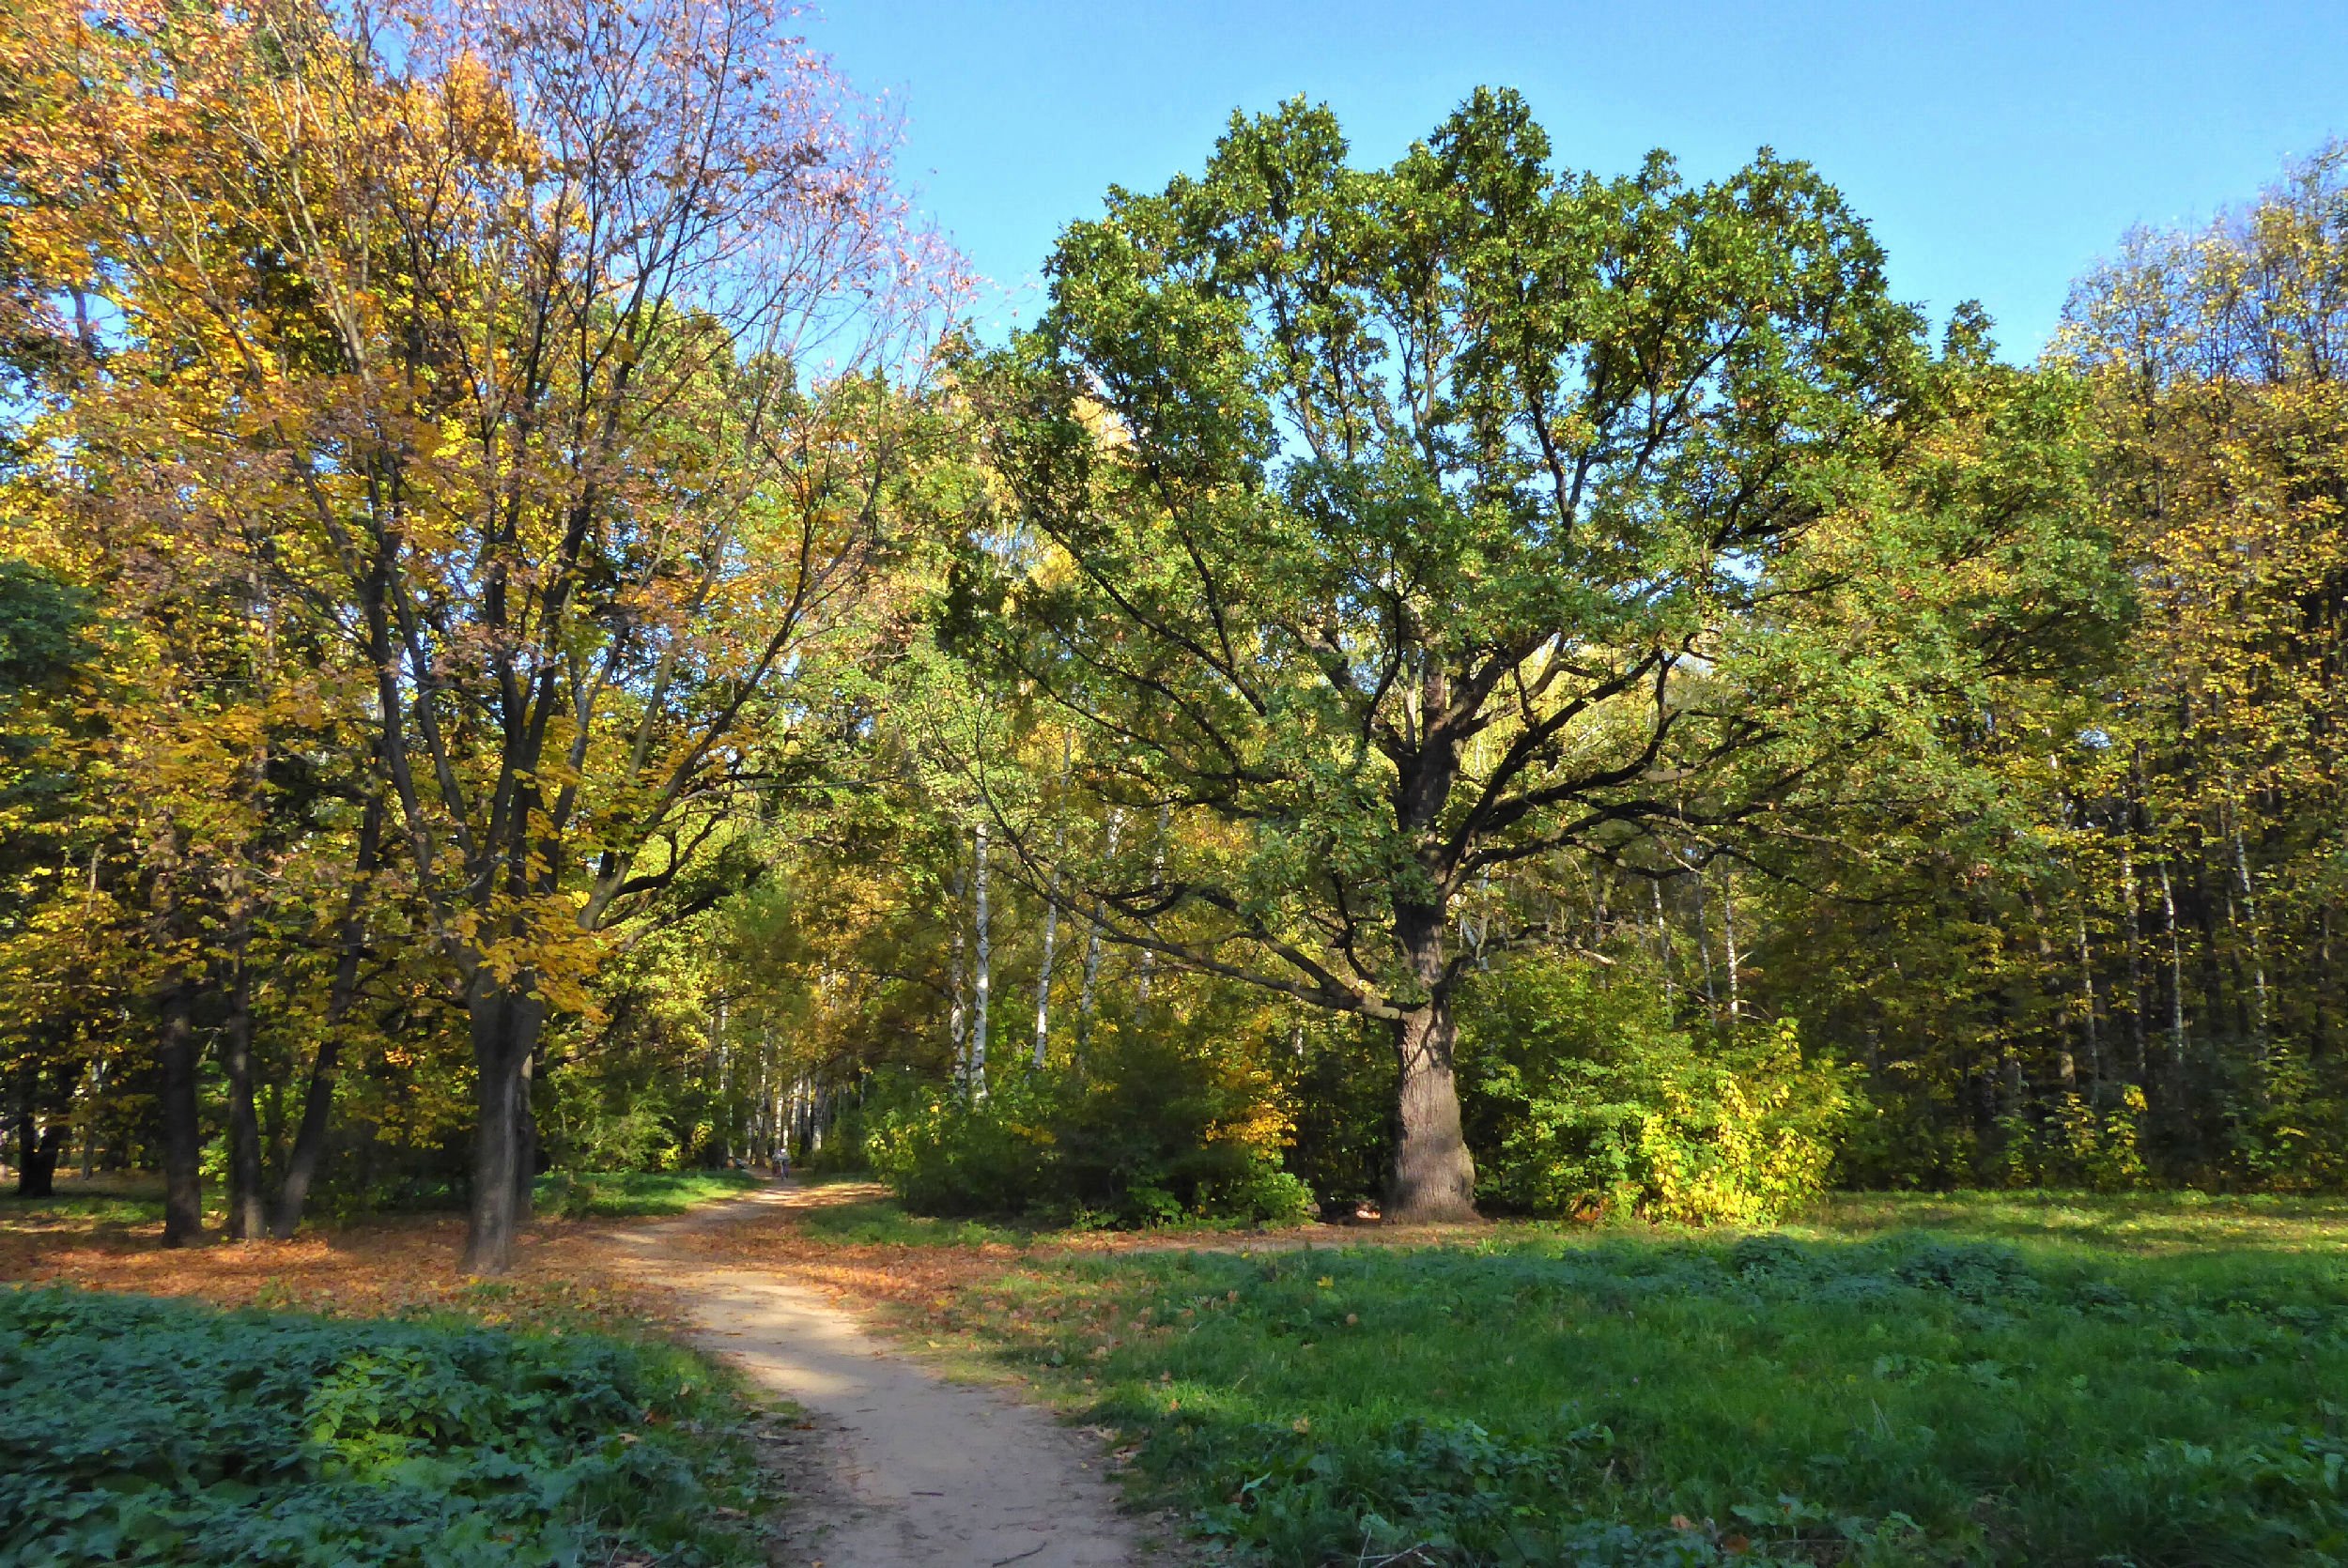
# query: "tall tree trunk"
(317, 1101)
(2176, 974)
(2134, 929)
(1704, 945)
(957, 1015)
(246, 1222)
(2087, 993)
(36, 1155)
(2258, 941)
(1662, 940)
(526, 1135)
(183, 1191)
(1728, 939)
(89, 1125)
(1087, 996)
(505, 1018)
(1051, 938)
(1157, 886)
(1434, 1176)
(983, 982)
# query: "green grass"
(2044, 1380)
(108, 1199)
(136, 1200)
(883, 1221)
(617, 1194)
(144, 1431)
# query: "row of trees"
(522, 634)
(466, 417)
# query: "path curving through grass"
(902, 1468)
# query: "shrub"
(1151, 1130)
(149, 1431)
(1579, 1096)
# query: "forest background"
(532, 642)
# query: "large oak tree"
(1426, 524)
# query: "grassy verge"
(617, 1194)
(164, 1432)
(121, 1201)
(105, 1201)
(2148, 1382)
(883, 1222)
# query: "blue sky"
(1998, 149)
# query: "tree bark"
(37, 1156)
(1051, 939)
(1728, 939)
(317, 1102)
(1434, 1176)
(246, 1222)
(983, 982)
(183, 1191)
(957, 1019)
(1157, 884)
(505, 1018)
(526, 1135)
(1087, 992)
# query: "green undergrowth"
(106, 1200)
(883, 1221)
(130, 1201)
(1626, 1397)
(146, 1430)
(616, 1195)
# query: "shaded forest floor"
(106, 1235)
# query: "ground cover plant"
(620, 1194)
(1855, 1389)
(150, 1431)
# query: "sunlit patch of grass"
(620, 1194)
(2173, 1223)
(883, 1223)
(105, 1199)
(2041, 1381)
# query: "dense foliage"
(1157, 1130)
(149, 1431)
(1469, 681)
(1583, 1097)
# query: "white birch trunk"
(984, 982)
(2176, 970)
(1728, 939)
(1088, 991)
(1051, 939)
(957, 1019)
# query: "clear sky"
(1997, 147)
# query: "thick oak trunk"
(183, 1192)
(505, 1019)
(1434, 1176)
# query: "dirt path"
(904, 1469)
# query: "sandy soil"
(900, 1468)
